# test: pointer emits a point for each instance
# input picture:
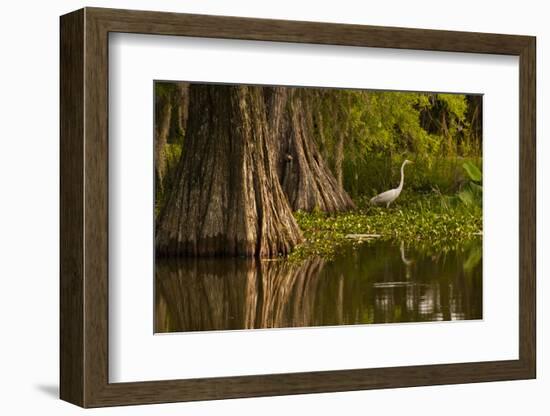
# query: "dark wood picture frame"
(84, 207)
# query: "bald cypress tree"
(305, 177)
(226, 198)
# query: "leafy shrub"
(472, 193)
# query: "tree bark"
(180, 105)
(476, 117)
(163, 121)
(227, 199)
(339, 160)
(305, 178)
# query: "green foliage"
(389, 122)
(371, 124)
(422, 219)
(472, 194)
(473, 171)
(369, 176)
(364, 136)
(456, 105)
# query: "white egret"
(389, 196)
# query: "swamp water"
(377, 282)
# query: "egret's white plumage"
(389, 196)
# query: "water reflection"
(374, 283)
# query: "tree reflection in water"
(370, 284)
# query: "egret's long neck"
(402, 177)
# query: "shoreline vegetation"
(433, 221)
(425, 222)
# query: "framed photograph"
(255, 207)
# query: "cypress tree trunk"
(180, 107)
(475, 109)
(226, 198)
(339, 160)
(163, 120)
(305, 178)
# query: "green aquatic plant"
(473, 171)
(420, 220)
(472, 193)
